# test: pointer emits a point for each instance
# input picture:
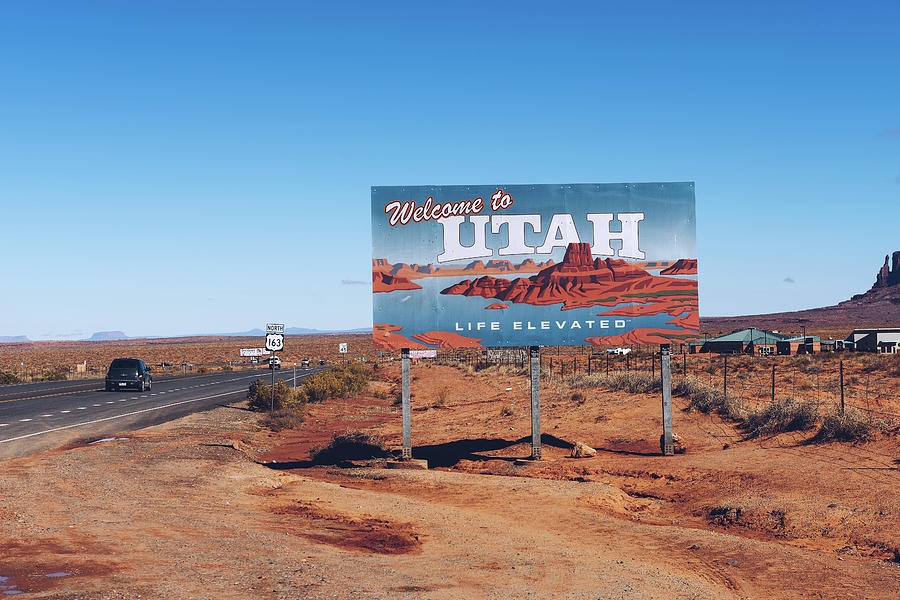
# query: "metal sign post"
(536, 402)
(407, 411)
(274, 343)
(665, 372)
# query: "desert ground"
(216, 506)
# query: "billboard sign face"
(253, 351)
(534, 265)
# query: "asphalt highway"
(36, 416)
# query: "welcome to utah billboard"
(534, 265)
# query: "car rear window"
(125, 363)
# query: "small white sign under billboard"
(423, 353)
(253, 351)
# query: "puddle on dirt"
(112, 439)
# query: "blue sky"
(187, 167)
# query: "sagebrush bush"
(7, 377)
(853, 426)
(259, 396)
(781, 416)
(54, 375)
(342, 381)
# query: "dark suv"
(128, 372)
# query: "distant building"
(810, 344)
(742, 341)
(883, 341)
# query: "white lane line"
(24, 420)
(82, 408)
(109, 402)
(128, 414)
(46, 415)
(123, 399)
(65, 411)
(97, 405)
(4, 424)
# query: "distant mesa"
(496, 306)
(683, 266)
(382, 282)
(13, 339)
(878, 307)
(579, 281)
(448, 339)
(107, 336)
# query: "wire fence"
(835, 382)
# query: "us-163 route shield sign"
(523, 265)
(275, 342)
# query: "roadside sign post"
(274, 343)
(536, 402)
(406, 453)
(668, 447)
(342, 348)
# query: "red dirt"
(198, 508)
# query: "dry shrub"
(7, 377)
(203, 370)
(895, 368)
(853, 426)
(781, 416)
(708, 399)
(342, 381)
(351, 445)
(54, 375)
(259, 397)
(285, 418)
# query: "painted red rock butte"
(578, 281)
(683, 266)
(382, 282)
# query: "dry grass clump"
(852, 426)
(351, 445)
(634, 382)
(781, 416)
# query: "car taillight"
(140, 376)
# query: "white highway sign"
(342, 348)
(275, 328)
(274, 342)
